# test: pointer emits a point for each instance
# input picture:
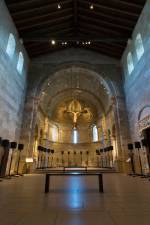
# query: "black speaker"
(111, 148)
(0, 140)
(101, 150)
(75, 153)
(48, 150)
(80, 153)
(106, 149)
(87, 152)
(5, 143)
(39, 148)
(62, 152)
(68, 153)
(137, 144)
(130, 146)
(52, 151)
(20, 146)
(97, 151)
(13, 145)
(144, 142)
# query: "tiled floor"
(75, 201)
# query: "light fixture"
(53, 42)
(91, 6)
(59, 6)
(89, 42)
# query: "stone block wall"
(137, 84)
(12, 84)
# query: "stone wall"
(45, 67)
(12, 83)
(137, 84)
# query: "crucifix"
(76, 115)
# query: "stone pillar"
(122, 132)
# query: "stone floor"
(75, 201)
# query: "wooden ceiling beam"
(105, 24)
(50, 36)
(46, 16)
(111, 10)
(121, 5)
(45, 23)
(101, 50)
(133, 3)
(107, 17)
(35, 7)
(105, 42)
(42, 32)
(103, 36)
(101, 30)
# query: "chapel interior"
(74, 107)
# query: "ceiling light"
(89, 42)
(91, 6)
(59, 6)
(53, 42)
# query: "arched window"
(20, 62)
(139, 46)
(95, 133)
(11, 45)
(130, 63)
(54, 133)
(75, 136)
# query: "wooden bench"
(73, 173)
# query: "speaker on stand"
(81, 157)
(131, 155)
(44, 161)
(75, 158)
(108, 156)
(38, 161)
(97, 154)
(20, 149)
(62, 158)
(111, 153)
(48, 161)
(146, 144)
(1, 154)
(87, 161)
(68, 159)
(101, 158)
(6, 146)
(138, 147)
(52, 151)
(13, 146)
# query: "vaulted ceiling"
(99, 25)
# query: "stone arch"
(110, 84)
(145, 111)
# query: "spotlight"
(53, 42)
(91, 6)
(59, 6)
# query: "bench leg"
(100, 178)
(47, 183)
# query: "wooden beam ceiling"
(108, 26)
